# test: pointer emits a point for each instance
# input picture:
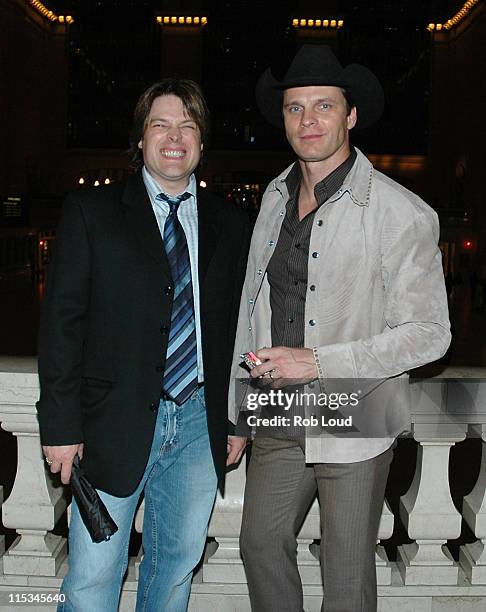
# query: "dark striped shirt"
(287, 269)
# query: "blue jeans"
(179, 484)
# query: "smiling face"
(171, 144)
(317, 124)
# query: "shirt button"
(290, 320)
(312, 322)
(249, 329)
(153, 407)
(271, 242)
(281, 213)
(297, 246)
(251, 301)
(315, 254)
(164, 329)
(312, 287)
(319, 223)
(340, 191)
(259, 272)
(168, 289)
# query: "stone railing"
(424, 577)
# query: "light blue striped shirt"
(187, 215)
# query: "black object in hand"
(93, 511)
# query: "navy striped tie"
(180, 375)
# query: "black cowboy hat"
(317, 65)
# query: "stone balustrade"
(424, 577)
(2, 538)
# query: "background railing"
(424, 576)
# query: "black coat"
(105, 324)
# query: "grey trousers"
(279, 490)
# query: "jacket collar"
(142, 221)
(209, 229)
(358, 183)
(134, 193)
(144, 224)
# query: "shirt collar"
(325, 188)
(358, 183)
(153, 188)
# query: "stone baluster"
(223, 562)
(385, 531)
(307, 550)
(34, 505)
(2, 538)
(139, 528)
(472, 557)
(427, 509)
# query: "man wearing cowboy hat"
(344, 281)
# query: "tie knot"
(173, 201)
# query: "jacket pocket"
(96, 382)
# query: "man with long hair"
(136, 340)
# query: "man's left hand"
(282, 362)
(235, 448)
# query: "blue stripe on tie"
(183, 363)
(180, 323)
(176, 378)
(180, 345)
(180, 376)
(186, 370)
(177, 342)
(179, 292)
(179, 388)
(184, 278)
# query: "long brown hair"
(192, 100)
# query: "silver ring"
(48, 461)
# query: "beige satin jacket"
(377, 307)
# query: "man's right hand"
(235, 448)
(60, 459)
